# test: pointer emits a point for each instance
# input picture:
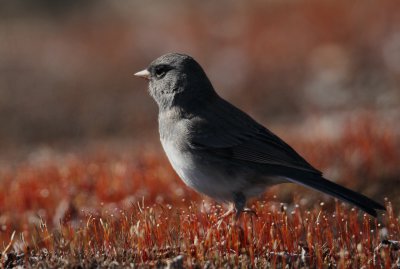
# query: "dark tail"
(319, 183)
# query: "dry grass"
(101, 209)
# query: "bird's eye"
(160, 71)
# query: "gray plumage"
(219, 150)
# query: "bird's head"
(176, 80)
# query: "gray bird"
(219, 150)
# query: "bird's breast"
(183, 163)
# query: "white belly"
(204, 179)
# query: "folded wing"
(233, 134)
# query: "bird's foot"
(250, 211)
(227, 214)
(237, 213)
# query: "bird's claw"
(250, 211)
(237, 213)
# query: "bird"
(219, 150)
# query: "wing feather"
(233, 134)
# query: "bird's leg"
(230, 211)
(240, 203)
(237, 207)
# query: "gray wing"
(233, 134)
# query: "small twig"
(8, 246)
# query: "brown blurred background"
(66, 67)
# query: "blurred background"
(66, 68)
(323, 75)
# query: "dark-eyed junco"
(219, 150)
